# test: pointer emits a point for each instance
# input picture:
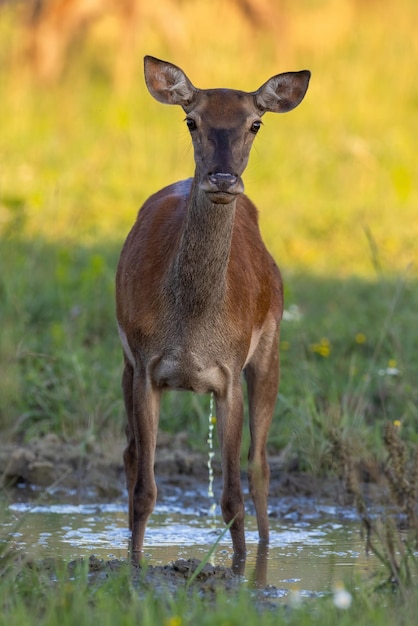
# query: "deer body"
(199, 298)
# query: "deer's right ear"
(168, 83)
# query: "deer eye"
(191, 124)
(255, 127)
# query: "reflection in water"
(302, 556)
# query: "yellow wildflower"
(360, 338)
(322, 348)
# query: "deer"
(199, 299)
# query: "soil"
(51, 465)
(52, 468)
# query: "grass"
(352, 354)
(347, 355)
(32, 595)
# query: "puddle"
(309, 556)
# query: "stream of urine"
(211, 454)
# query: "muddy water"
(308, 555)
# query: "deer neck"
(198, 274)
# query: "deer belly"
(188, 373)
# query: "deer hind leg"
(229, 411)
(129, 456)
(262, 377)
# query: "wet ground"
(68, 502)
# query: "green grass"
(348, 363)
(63, 359)
(32, 596)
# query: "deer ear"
(283, 92)
(168, 83)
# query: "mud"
(162, 580)
(90, 472)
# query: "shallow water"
(307, 555)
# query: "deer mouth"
(221, 197)
(222, 188)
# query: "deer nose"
(223, 181)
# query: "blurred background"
(82, 144)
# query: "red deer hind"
(199, 298)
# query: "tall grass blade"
(209, 554)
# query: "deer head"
(223, 129)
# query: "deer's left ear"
(283, 92)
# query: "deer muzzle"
(222, 187)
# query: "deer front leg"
(140, 454)
(229, 411)
(262, 377)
